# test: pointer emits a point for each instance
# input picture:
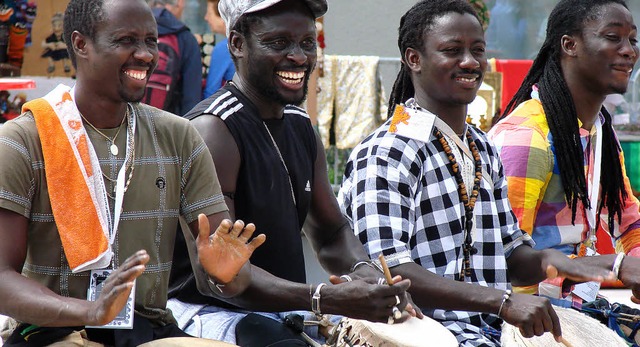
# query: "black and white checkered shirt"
(402, 200)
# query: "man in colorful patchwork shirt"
(563, 162)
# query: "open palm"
(223, 253)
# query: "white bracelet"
(617, 263)
(315, 300)
(505, 297)
(362, 262)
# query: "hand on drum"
(557, 264)
(223, 253)
(630, 275)
(533, 315)
(374, 299)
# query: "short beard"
(271, 92)
(128, 97)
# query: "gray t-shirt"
(173, 176)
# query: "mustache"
(150, 66)
(478, 72)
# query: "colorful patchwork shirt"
(535, 188)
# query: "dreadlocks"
(413, 29)
(568, 18)
(81, 16)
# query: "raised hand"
(116, 289)
(223, 253)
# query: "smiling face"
(124, 53)
(449, 71)
(279, 53)
(606, 50)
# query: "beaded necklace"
(469, 202)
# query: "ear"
(80, 44)
(236, 44)
(569, 45)
(412, 59)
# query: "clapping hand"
(116, 289)
(223, 253)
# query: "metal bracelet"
(218, 286)
(505, 298)
(362, 262)
(315, 300)
(617, 264)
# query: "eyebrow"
(619, 25)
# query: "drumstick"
(385, 269)
(565, 342)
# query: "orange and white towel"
(76, 189)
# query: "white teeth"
(291, 77)
(136, 74)
(467, 79)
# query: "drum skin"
(185, 342)
(578, 329)
(413, 332)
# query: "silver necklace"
(113, 147)
(293, 196)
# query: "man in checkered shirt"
(405, 202)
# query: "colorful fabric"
(174, 176)
(402, 200)
(353, 102)
(482, 11)
(75, 179)
(535, 187)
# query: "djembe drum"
(185, 341)
(578, 329)
(410, 333)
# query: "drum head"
(577, 328)
(185, 342)
(413, 332)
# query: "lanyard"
(120, 183)
(593, 180)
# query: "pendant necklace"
(113, 147)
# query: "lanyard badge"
(124, 319)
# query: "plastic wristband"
(505, 298)
(315, 300)
(617, 263)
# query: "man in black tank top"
(272, 170)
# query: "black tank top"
(263, 193)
